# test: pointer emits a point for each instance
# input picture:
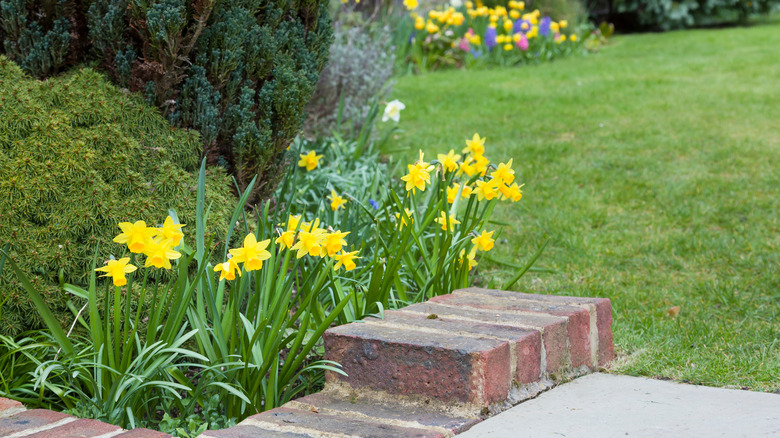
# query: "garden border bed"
(432, 369)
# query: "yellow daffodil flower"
(417, 177)
(135, 235)
(252, 253)
(309, 243)
(346, 259)
(449, 161)
(507, 47)
(171, 230)
(227, 270)
(514, 193)
(286, 238)
(445, 226)
(452, 192)
(309, 160)
(467, 167)
(470, 258)
(475, 146)
(563, 24)
(401, 220)
(116, 269)
(508, 25)
(336, 201)
(487, 190)
(574, 38)
(504, 172)
(481, 164)
(159, 253)
(484, 241)
(411, 4)
(334, 242)
(292, 222)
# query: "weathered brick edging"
(17, 422)
(428, 370)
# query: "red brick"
(332, 404)
(294, 419)
(554, 328)
(606, 349)
(403, 361)
(29, 420)
(243, 431)
(142, 433)
(527, 342)
(82, 428)
(578, 318)
(9, 405)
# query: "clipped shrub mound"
(77, 156)
(240, 72)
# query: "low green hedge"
(77, 156)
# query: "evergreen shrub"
(77, 156)
(238, 71)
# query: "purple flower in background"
(544, 26)
(411, 37)
(476, 53)
(374, 204)
(522, 43)
(521, 26)
(490, 38)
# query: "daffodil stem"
(117, 312)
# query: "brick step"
(357, 414)
(472, 346)
(17, 422)
(437, 368)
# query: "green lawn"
(654, 168)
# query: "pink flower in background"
(522, 43)
(464, 44)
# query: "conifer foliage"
(238, 71)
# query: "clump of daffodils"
(155, 243)
(472, 175)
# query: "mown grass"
(654, 169)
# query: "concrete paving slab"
(605, 405)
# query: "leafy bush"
(76, 156)
(668, 14)
(359, 67)
(238, 72)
